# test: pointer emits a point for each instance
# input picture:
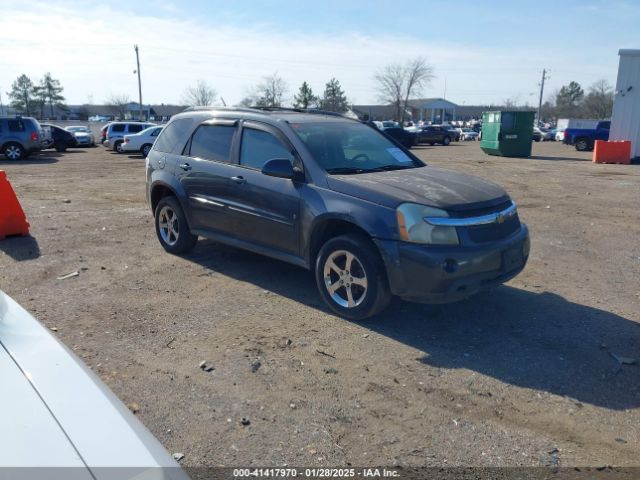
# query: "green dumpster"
(507, 133)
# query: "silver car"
(83, 135)
(59, 420)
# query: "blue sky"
(483, 51)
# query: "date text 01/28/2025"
(315, 473)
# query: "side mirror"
(279, 167)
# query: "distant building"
(131, 111)
(434, 110)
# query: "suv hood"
(430, 186)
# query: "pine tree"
(334, 99)
(52, 90)
(305, 97)
(21, 95)
(568, 100)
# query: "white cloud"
(91, 51)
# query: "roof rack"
(254, 108)
(316, 111)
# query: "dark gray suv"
(335, 196)
(20, 137)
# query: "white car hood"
(54, 412)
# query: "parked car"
(60, 139)
(433, 134)
(584, 138)
(117, 130)
(20, 137)
(546, 135)
(559, 135)
(469, 134)
(64, 422)
(400, 135)
(335, 196)
(536, 135)
(141, 141)
(83, 135)
(455, 134)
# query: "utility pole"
(544, 77)
(135, 47)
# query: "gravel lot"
(522, 375)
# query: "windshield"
(78, 129)
(346, 147)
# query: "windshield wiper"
(344, 170)
(386, 168)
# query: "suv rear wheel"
(446, 141)
(13, 151)
(117, 147)
(351, 278)
(172, 228)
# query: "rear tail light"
(34, 136)
(564, 134)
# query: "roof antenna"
(224, 104)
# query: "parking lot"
(525, 374)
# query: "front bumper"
(443, 274)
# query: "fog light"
(450, 265)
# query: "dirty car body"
(317, 187)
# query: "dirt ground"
(524, 374)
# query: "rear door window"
(135, 128)
(212, 142)
(118, 128)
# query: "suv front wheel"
(172, 228)
(351, 278)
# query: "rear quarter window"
(16, 125)
(174, 136)
(135, 128)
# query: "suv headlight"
(413, 228)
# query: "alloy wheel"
(168, 225)
(345, 279)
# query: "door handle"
(185, 166)
(239, 180)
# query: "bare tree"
(598, 103)
(119, 101)
(202, 94)
(391, 83)
(271, 91)
(398, 83)
(418, 74)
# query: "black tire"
(146, 148)
(446, 141)
(369, 300)
(13, 151)
(60, 147)
(182, 240)
(583, 145)
(117, 146)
